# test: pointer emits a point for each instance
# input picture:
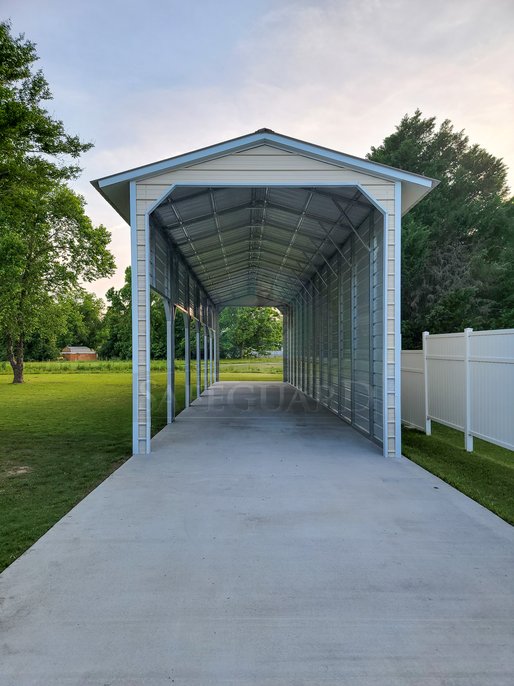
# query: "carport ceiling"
(260, 242)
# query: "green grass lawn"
(486, 474)
(63, 432)
(259, 365)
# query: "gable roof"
(115, 187)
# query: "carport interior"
(314, 252)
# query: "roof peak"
(118, 184)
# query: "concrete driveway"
(264, 542)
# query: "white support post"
(397, 316)
(187, 359)
(285, 351)
(428, 421)
(211, 358)
(468, 438)
(215, 353)
(205, 360)
(198, 360)
(217, 348)
(170, 361)
(140, 289)
(135, 313)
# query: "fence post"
(468, 438)
(428, 421)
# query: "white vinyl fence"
(464, 380)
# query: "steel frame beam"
(187, 358)
(205, 359)
(198, 359)
(211, 357)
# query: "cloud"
(339, 73)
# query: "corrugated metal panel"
(159, 265)
(334, 332)
(182, 286)
(377, 308)
(224, 230)
(285, 344)
(323, 333)
(301, 348)
(339, 355)
(316, 343)
(345, 300)
(361, 330)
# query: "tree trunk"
(17, 372)
(15, 354)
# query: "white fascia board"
(357, 163)
(284, 142)
(181, 160)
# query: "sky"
(149, 80)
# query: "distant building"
(78, 353)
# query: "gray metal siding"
(377, 331)
(334, 332)
(360, 330)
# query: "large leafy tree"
(84, 313)
(80, 319)
(247, 330)
(117, 330)
(116, 335)
(458, 243)
(48, 246)
(34, 147)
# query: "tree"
(48, 245)
(457, 244)
(84, 313)
(80, 318)
(116, 336)
(245, 330)
(34, 147)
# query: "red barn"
(78, 353)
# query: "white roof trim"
(275, 139)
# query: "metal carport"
(266, 219)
